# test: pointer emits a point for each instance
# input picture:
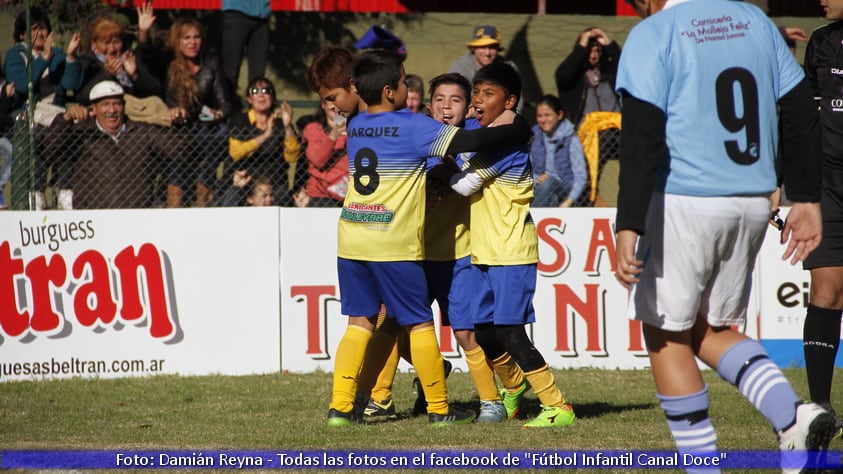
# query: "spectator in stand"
(557, 157)
(108, 59)
(586, 78)
(55, 72)
(484, 49)
(114, 160)
(245, 24)
(262, 140)
(415, 93)
(258, 191)
(324, 142)
(7, 96)
(197, 93)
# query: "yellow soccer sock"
(427, 360)
(544, 386)
(483, 375)
(349, 358)
(383, 386)
(510, 374)
(382, 347)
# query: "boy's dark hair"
(502, 75)
(331, 69)
(452, 78)
(36, 17)
(374, 70)
(415, 84)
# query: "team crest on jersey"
(356, 212)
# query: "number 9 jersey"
(717, 77)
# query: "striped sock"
(687, 418)
(747, 366)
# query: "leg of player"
(374, 390)
(680, 389)
(744, 363)
(492, 409)
(349, 359)
(556, 412)
(427, 361)
(821, 333)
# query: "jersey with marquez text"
(382, 218)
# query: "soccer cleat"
(491, 411)
(809, 434)
(838, 423)
(552, 417)
(455, 416)
(383, 411)
(512, 400)
(340, 418)
(420, 407)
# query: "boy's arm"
(466, 182)
(490, 139)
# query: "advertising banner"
(138, 292)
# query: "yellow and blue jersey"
(446, 235)
(383, 215)
(502, 229)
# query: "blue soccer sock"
(687, 418)
(747, 366)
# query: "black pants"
(242, 31)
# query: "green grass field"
(616, 410)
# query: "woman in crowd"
(557, 157)
(327, 161)
(198, 95)
(262, 140)
(108, 59)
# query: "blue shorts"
(449, 283)
(503, 294)
(401, 286)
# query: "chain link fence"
(77, 166)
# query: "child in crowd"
(415, 93)
(504, 249)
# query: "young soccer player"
(380, 232)
(447, 254)
(504, 250)
(700, 134)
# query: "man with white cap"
(114, 159)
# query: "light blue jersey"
(717, 77)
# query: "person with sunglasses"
(262, 140)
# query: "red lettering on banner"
(636, 338)
(93, 298)
(545, 229)
(41, 274)
(602, 240)
(589, 309)
(316, 313)
(12, 321)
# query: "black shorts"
(830, 251)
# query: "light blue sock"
(687, 418)
(747, 366)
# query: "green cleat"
(551, 417)
(339, 418)
(512, 400)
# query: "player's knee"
(487, 337)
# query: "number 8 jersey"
(717, 77)
(382, 218)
